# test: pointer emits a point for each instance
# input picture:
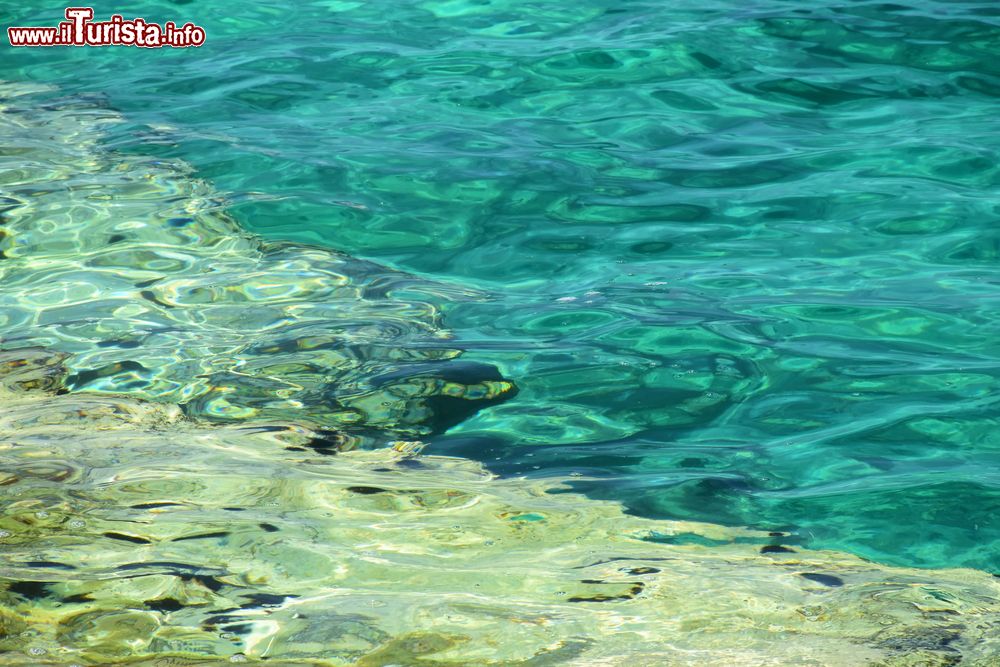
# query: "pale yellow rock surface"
(133, 536)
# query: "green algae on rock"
(133, 535)
(131, 266)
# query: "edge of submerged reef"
(135, 536)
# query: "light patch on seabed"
(135, 532)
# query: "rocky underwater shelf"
(188, 477)
(132, 535)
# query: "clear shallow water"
(742, 257)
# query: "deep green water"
(742, 255)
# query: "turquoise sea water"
(741, 255)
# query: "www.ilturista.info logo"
(79, 30)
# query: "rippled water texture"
(128, 264)
(739, 256)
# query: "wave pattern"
(743, 253)
(131, 266)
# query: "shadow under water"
(166, 379)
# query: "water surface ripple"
(743, 254)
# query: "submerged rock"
(132, 267)
(132, 535)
